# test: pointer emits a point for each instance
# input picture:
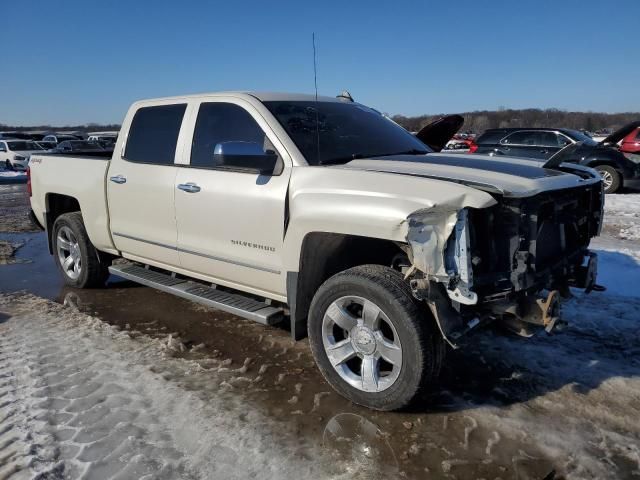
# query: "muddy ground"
(230, 398)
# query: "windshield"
(581, 137)
(332, 132)
(23, 146)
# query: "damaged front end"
(509, 263)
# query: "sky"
(74, 62)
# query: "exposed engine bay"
(510, 262)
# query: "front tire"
(74, 254)
(610, 178)
(372, 341)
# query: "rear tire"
(74, 254)
(610, 178)
(384, 351)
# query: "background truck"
(324, 214)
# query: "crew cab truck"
(324, 214)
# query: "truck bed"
(82, 177)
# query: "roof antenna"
(315, 83)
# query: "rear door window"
(491, 137)
(521, 138)
(153, 134)
(563, 140)
(547, 139)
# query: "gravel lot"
(127, 382)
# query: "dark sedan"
(82, 147)
(542, 143)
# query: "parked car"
(322, 213)
(631, 143)
(14, 154)
(15, 136)
(542, 143)
(98, 136)
(54, 139)
(106, 141)
(77, 146)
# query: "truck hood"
(508, 176)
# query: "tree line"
(476, 122)
(479, 121)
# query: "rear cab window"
(153, 134)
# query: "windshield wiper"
(334, 161)
(355, 156)
(413, 151)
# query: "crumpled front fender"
(439, 248)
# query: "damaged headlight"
(440, 248)
(458, 262)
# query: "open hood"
(565, 155)
(619, 134)
(438, 133)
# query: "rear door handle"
(118, 179)
(189, 187)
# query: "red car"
(631, 143)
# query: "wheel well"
(57, 204)
(322, 256)
(597, 163)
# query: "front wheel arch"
(617, 175)
(422, 345)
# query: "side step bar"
(228, 302)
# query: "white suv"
(14, 154)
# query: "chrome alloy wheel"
(362, 344)
(69, 253)
(607, 179)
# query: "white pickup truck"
(328, 217)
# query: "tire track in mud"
(81, 399)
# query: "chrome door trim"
(137, 239)
(199, 254)
(233, 262)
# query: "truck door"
(231, 217)
(141, 186)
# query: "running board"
(228, 302)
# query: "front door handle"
(118, 179)
(189, 187)
(544, 150)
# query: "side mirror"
(245, 156)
